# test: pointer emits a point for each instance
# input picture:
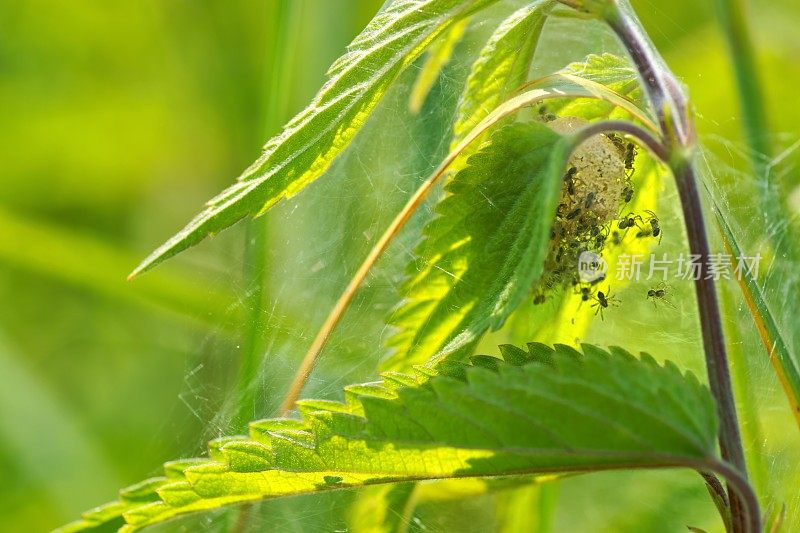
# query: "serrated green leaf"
(601, 86)
(314, 138)
(614, 73)
(501, 67)
(483, 251)
(597, 410)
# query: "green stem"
(548, 504)
(733, 22)
(280, 49)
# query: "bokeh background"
(118, 120)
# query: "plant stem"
(666, 96)
(710, 316)
(749, 518)
(719, 377)
(670, 105)
(655, 146)
(253, 341)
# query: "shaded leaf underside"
(541, 410)
(484, 249)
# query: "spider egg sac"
(591, 196)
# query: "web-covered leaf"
(541, 410)
(439, 53)
(501, 67)
(485, 248)
(613, 73)
(314, 138)
(778, 350)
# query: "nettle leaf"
(314, 138)
(542, 410)
(501, 67)
(485, 248)
(615, 74)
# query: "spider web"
(319, 238)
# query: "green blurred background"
(119, 119)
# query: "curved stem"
(655, 146)
(711, 324)
(670, 106)
(710, 317)
(310, 359)
(664, 91)
(750, 514)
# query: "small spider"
(655, 226)
(569, 179)
(544, 116)
(627, 193)
(630, 155)
(619, 143)
(598, 235)
(602, 301)
(600, 240)
(628, 221)
(586, 292)
(589, 200)
(659, 294)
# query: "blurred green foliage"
(119, 119)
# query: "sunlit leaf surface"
(539, 410)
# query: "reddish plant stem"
(670, 107)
